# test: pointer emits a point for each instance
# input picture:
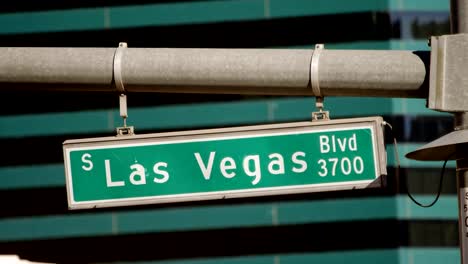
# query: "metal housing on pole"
(218, 71)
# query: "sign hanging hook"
(125, 130)
(321, 115)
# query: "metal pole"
(218, 71)
(459, 24)
(458, 16)
(461, 121)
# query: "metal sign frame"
(374, 123)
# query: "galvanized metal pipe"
(67, 69)
(373, 73)
(237, 71)
(217, 71)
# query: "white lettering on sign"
(86, 159)
(227, 163)
(256, 172)
(252, 164)
(296, 161)
(157, 169)
(344, 165)
(276, 165)
(109, 181)
(337, 144)
(323, 168)
(206, 170)
(137, 175)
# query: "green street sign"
(225, 163)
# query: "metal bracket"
(315, 85)
(125, 130)
(118, 67)
(314, 70)
(320, 115)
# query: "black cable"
(397, 159)
(438, 193)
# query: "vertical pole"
(461, 121)
(459, 24)
(458, 16)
